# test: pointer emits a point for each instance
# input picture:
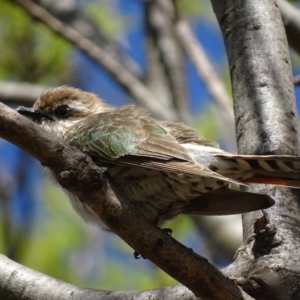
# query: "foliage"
(29, 50)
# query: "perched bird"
(164, 168)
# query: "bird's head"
(62, 107)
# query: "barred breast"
(161, 195)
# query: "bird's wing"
(127, 136)
(184, 134)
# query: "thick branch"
(78, 174)
(266, 123)
(19, 282)
(131, 84)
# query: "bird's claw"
(136, 255)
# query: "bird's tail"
(227, 202)
(281, 170)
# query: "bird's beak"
(33, 114)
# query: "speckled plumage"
(165, 168)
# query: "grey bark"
(18, 282)
(165, 76)
(267, 264)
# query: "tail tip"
(269, 202)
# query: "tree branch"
(291, 18)
(78, 174)
(73, 14)
(156, 79)
(19, 282)
(131, 84)
(266, 121)
(170, 55)
(207, 73)
(297, 80)
(21, 93)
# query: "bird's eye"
(62, 111)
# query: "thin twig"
(208, 74)
(156, 79)
(171, 56)
(205, 70)
(73, 14)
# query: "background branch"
(21, 93)
(70, 12)
(171, 58)
(297, 80)
(136, 89)
(207, 73)
(291, 18)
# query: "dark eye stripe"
(62, 111)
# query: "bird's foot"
(137, 255)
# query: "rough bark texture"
(266, 123)
(19, 282)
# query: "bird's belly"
(159, 195)
(148, 189)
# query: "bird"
(165, 168)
